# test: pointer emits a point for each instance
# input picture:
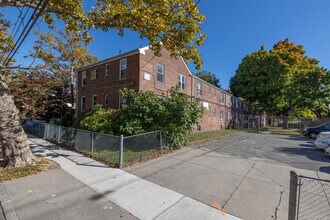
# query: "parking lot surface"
(246, 175)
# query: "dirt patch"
(41, 165)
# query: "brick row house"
(140, 69)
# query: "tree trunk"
(13, 140)
(285, 122)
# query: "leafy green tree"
(209, 77)
(173, 25)
(282, 81)
(174, 115)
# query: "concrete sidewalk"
(56, 195)
(142, 198)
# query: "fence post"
(92, 143)
(293, 195)
(47, 131)
(58, 134)
(121, 153)
(39, 128)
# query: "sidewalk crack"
(274, 217)
(231, 195)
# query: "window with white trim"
(94, 74)
(106, 69)
(182, 81)
(221, 96)
(199, 88)
(228, 116)
(83, 78)
(122, 101)
(94, 100)
(106, 100)
(221, 113)
(83, 103)
(123, 69)
(160, 72)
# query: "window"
(106, 100)
(123, 69)
(94, 74)
(228, 116)
(94, 100)
(221, 97)
(122, 101)
(106, 69)
(83, 103)
(182, 81)
(160, 72)
(199, 88)
(221, 113)
(83, 78)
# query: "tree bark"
(13, 140)
(285, 122)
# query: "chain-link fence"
(274, 124)
(142, 146)
(309, 198)
(115, 150)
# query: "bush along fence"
(117, 151)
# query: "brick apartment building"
(140, 69)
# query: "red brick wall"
(108, 84)
(146, 62)
(173, 67)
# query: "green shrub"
(98, 119)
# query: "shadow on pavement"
(325, 169)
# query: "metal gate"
(308, 198)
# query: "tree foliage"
(209, 77)
(36, 93)
(283, 81)
(172, 24)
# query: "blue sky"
(236, 28)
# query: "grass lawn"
(130, 156)
(211, 134)
(277, 130)
(15, 173)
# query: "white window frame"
(82, 104)
(182, 82)
(94, 73)
(121, 101)
(106, 69)
(120, 68)
(83, 78)
(221, 97)
(199, 89)
(93, 100)
(221, 113)
(228, 116)
(160, 73)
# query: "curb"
(7, 207)
(207, 141)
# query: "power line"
(15, 49)
(22, 22)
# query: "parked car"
(322, 140)
(327, 150)
(313, 132)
